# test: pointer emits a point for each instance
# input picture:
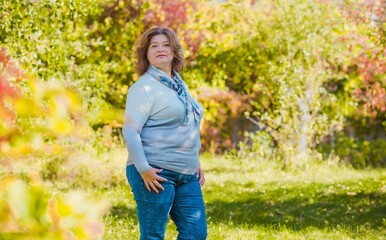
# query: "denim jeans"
(182, 200)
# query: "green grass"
(257, 200)
(245, 199)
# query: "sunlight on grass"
(317, 202)
(245, 198)
(257, 200)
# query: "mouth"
(162, 55)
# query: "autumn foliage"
(292, 81)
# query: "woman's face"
(160, 52)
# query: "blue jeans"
(182, 200)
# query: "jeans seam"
(147, 214)
(186, 220)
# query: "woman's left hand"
(201, 177)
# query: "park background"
(294, 132)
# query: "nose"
(161, 48)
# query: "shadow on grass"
(295, 206)
(123, 212)
(297, 210)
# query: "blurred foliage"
(357, 152)
(306, 68)
(59, 40)
(224, 119)
(363, 82)
(34, 119)
(278, 79)
(34, 114)
(28, 212)
(278, 60)
(365, 66)
(300, 69)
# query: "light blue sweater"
(154, 132)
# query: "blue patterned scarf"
(177, 84)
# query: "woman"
(161, 131)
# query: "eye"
(153, 46)
(167, 44)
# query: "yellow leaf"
(18, 197)
(60, 126)
(26, 107)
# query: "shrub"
(357, 152)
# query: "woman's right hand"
(152, 180)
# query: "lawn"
(256, 199)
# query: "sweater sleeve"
(137, 111)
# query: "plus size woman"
(162, 135)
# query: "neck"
(166, 69)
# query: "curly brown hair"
(142, 44)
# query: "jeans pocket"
(133, 176)
(136, 182)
